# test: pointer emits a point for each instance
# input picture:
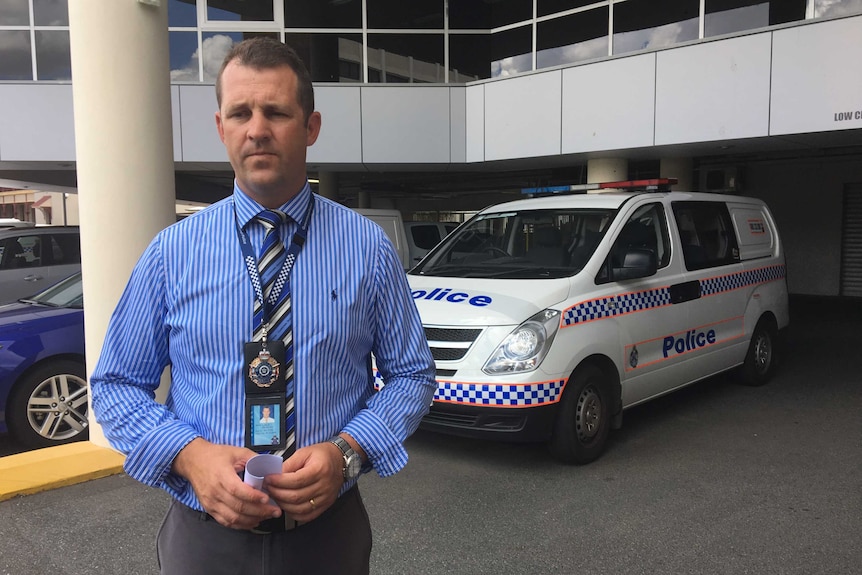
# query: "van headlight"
(525, 348)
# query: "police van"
(549, 316)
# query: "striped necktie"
(276, 291)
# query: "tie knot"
(271, 219)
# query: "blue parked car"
(43, 381)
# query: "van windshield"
(529, 244)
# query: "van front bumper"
(507, 424)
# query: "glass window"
(728, 16)
(783, 11)
(318, 14)
(14, 13)
(484, 15)
(545, 7)
(51, 12)
(644, 233)
(216, 45)
(406, 57)
(706, 234)
(572, 38)
(15, 62)
(329, 57)
(182, 13)
(238, 10)
(639, 26)
(414, 14)
(53, 60)
(66, 249)
(529, 244)
(512, 51)
(469, 57)
(425, 237)
(836, 7)
(184, 56)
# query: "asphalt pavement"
(716, 478)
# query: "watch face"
(352, 466)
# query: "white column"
(123, 146)
(327, 185)
(681, 169)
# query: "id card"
(264, 422)
(264, 395)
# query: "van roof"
(605, 200)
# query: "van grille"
(450, 344)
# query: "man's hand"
(212, 470)
(312, 473)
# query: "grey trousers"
(336, 543)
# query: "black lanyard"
(253, 269)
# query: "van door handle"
(32, 278)
(684, 292)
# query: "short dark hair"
(263, 53)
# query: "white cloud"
(215, 48)
(511, 66)
(837, 7)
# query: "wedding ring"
(313, 506)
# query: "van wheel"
(583, 422)
(762, 358)
(48, 406)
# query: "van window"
(528, 244)
(646, 230)
(425, 237)
(706, 234)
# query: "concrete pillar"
(680, 168)
(363, 199)
(123, 147)
(607, 170)
(328, 185)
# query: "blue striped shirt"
(188, 304)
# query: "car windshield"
(67, 293)
(528, 244)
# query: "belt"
(284, 523)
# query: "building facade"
(462, 103)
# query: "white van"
(547, 317)
(393, 225)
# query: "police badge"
(263, 370)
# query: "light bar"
(652, 184)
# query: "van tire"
(762, 357)
(584, 419)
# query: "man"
(199, 301)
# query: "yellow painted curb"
(59, 466)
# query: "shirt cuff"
(151, 459)
(385, 451)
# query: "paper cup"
(259, 467)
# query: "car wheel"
(761, 359)
(48, 406)
(583, 422)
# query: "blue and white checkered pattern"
(615, 305)
(494, 394)
(500, 395)
(712, 286)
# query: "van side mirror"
(637, 263)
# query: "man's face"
(263, 128)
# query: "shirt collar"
(296, 208)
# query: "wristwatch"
(352, 460)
